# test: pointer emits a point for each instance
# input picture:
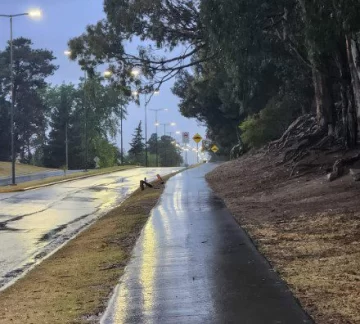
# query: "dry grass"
(320, 259)
(308, 228)
(21, 169)
(74, 284)
(73, 176)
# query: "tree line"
(82, 117)
(162, 151)
(248, 69)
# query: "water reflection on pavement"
(194, 264)
(35, 223)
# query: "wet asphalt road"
(35, 223)
(193, 264)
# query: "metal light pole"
(136, 94)
(66, 147)
(166, 124)
(157, 136)
(68, 53)
(121, 134)
(33, 14)
(86, 123)
(146, 135)
(109, 74)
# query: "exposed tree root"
(305, 138)
(340, 165)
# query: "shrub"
(269, 124)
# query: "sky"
(65, 19)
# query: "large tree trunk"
(355, 75)
(348, 101)
(324, 102)
(349, 88)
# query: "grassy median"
(74, 284)
(73, 176)
(21, 169)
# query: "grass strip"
(74, 284)
(53, 180)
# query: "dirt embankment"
(307, 227)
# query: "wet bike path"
(194, 264)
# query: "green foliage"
(107, 152)
(136, 153)
(245, 57)
(62, 102)
(259, 129)
(169, 154)
(91, 112)
(31, 68)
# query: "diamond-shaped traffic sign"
(197, 138)
(215, 149)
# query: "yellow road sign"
(215, 149)
(197, 138)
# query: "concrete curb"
(64, 181)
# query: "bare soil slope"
(307, 227)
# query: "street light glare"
(173, 124)
(35, 13)
(135, 93)
(108, 74)
(156, 92)
(135, 72)
(67, 53)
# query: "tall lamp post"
(157, 136)
(31, 14)
(165, 125)
(68, 53)
(137, 94)
(108, 74)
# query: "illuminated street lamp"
(135, 72)
(34, 14)
(108, 74)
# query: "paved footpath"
(193, 264)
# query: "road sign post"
(185, 141)
(197, 139)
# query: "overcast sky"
(64, 19)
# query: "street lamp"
(137, 93)
(108, 74)
(32, 14)
(157, 136)
(165, 125)
(68, 53)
